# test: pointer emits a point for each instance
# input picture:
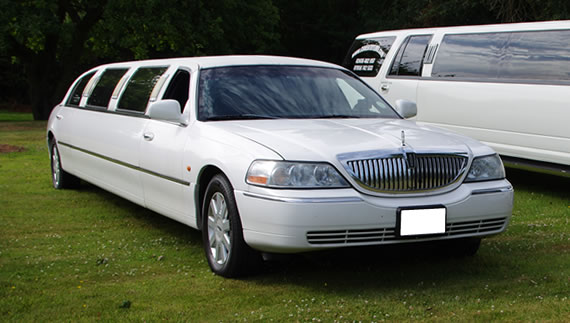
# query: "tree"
(42, 35)
(321, 29)
(55, 40)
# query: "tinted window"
(102, 92)
(267, 92)
(410, 56)
(178, 88)
(136, 95)
(537, 55)
(75, 96)
(366, 56)
(472, 55)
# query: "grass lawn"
(84, 255)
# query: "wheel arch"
(205, 176)
(50, 137)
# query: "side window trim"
(122, 88)
(73, 95)
(91, 85)
(154, 94)
(119, 87)
(167, 85)
(430, 55)
(398, 57)
(401, 53)
(99, 78)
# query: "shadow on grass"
(352, 271)
(557, 186)
(145, 216)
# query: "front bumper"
(287, 221)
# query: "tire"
(222, 234)
(60, 178)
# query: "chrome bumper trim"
(304, 200)
(493, 190)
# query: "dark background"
(46, 44)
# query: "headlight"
(485, 169)
(280, 174)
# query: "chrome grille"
(385, 235)
(407, 173)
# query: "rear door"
(106, 144)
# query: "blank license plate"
(422, 221)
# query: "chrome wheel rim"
(55, 168)
(219, 229)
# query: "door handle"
(148, 136)
(59, 116)
(384, 87)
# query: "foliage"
(86, 255)
(53, 40)
(184, 28)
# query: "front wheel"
(222, 234)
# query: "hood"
(324, 139)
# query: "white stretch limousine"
(274, 154)
(506, 85)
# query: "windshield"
(271, 92)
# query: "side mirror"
(406, 108)
(168, 110)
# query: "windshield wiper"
(337, 116)
(258, 116)
(241, 117)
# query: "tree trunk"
(43, 75)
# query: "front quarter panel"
(231, 153)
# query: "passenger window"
(366, 56)
(470, 55)
(409, 60)
(102, 92)
(75, 96)
(138, 90)
(178, 88)
(537, 55)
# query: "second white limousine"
(276, 155)
(507, 85)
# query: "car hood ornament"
(409, 154)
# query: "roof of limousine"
(520, 26)
(215, 61)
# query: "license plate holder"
(421, 221)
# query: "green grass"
(84, 255)
(8, 116)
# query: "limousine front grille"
(379, 235)
(409, 173)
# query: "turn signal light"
(257, 179)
